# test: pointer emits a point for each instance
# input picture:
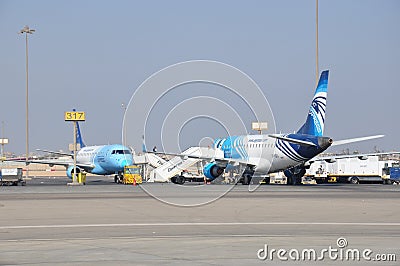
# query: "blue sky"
(92, 55)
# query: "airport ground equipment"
(178, 164)
(186, 176)
(133, 174)
(81, 178)
(279, 178)
(11, 177)
(151, 159)
(391, 175)
(352, 170)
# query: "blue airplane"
(98, 160)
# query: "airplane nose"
(123, 163)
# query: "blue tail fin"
(79, 136)
(314, 124)
(144, 149)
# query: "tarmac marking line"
(197, 224)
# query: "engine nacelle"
(70, 170)
(212, 171)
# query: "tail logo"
(317, 111)
(314, 124)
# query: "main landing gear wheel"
(246, 179)
(294, 181)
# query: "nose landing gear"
(118, 178)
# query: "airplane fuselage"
(106, 159)
(270, 154)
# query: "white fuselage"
(261, 151)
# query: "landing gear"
(247, 176)
(118, 179)
(294, 175)
(294, 180)
(246, 179)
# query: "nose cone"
(124, 163)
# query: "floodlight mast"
(26, 30)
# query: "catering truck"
(353, 170)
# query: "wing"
(56, 152)
(66, 163)
(221, 161)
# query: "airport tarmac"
(102, 223)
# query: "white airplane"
(99, 160)
(264, 154)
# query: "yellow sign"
(74, 116)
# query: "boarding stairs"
(149, 158)
(178, 164)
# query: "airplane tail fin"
(79, 136)
(314, 124)
(144, 149)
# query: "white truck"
(11, 177)
(353, 170)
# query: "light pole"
(316, 41)
(27, 31)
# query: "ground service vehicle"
(186, 176)
(11, 177)
(352, 170)
(132, 174)
(391, 175)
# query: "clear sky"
(92, 55)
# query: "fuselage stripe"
(288, 153)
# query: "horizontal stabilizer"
(296, 141)
(347, 141)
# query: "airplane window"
(120, 152)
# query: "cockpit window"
(120, 152)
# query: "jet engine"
(70, 171)
(212, 171)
